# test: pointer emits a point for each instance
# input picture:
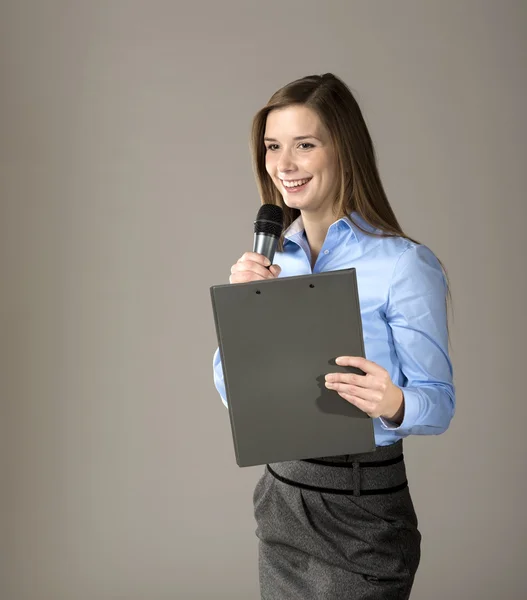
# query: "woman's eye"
(303, 146)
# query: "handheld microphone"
(268, 229)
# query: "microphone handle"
(265, 244)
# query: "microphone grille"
(269, 220)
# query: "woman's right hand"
(253, 267)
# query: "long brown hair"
(360, 187)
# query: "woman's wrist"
(397, 414)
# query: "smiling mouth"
(296, 185)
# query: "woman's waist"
(379, 472)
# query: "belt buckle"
(356, 478)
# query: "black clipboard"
(278, 339)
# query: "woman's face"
(300, 159)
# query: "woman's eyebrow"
(296, 139)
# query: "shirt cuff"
(411, 412)
(219, 380)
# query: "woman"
(345, 526)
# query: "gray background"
(123, 155)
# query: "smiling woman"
(300, 160)
(345, 526)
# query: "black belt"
(347, 475)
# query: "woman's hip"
(349, 516)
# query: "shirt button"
(326, 251)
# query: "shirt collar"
(296, 229)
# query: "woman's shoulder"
(392, 246)
(401, 248)
(400, 259)
(414, 263)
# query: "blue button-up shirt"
(402, 293)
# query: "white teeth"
(292, 184)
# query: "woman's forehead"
(294, 121)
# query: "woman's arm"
(417, 315)
(423, 402)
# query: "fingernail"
(267, 262)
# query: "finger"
(361, 404)
(245, 277)
(276, 270)
(251, 267)
(256, 257)
(361, 363)
(351, 379)
(352, 390)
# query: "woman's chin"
(297, 203)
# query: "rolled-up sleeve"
(219, 382)
(417, 316)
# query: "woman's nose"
(285, 162)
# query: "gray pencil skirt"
(337, 528)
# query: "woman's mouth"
(296, 185)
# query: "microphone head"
(269, 220)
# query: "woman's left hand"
(374, 393)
